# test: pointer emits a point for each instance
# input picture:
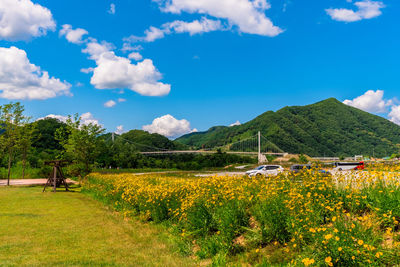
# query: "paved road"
(220, 174)
(25, 182)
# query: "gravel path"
(25, 182)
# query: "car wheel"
(258, 175)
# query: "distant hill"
(328, 128)
(144, 141)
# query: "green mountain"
(328, 128)
(144, 141)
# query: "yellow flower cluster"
(325, 220)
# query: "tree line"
(29, 144)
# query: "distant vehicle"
(265, 170)
(302, 167)
(299, 167)
(348, 166)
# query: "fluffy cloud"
(168, 126)
(86, 118)
(371, 101)
(73, 36)
(120, 129)
(235, 124)
(135, 56)
(110, 104)
(22, 19)
(151, 35)
(53, 116)
(178, 26)
(394, 114)
(127, 46)
(115, 72)
(120, 100)
(112, 9)
(248, 16)
(87, 70)
(19, 79)
(118, 72)
(366, 9)
(96, 49)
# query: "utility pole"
(112, 137)
(259, 146)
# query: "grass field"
(50, 229)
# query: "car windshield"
(259, 168)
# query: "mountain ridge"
(327, 127)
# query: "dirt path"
(26, 182)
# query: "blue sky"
(203, 64)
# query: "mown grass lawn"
(69, 228)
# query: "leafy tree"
(81, 143)
(43, 138)
(25, 142)
(11, 120)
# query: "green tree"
(81, 143)
(11, 120)
(25, 142)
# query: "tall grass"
(30, 173)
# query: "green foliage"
(274, 220)
(81, 143)
(303, 159)
(327, 128)
(12, 121)
(292, 218)
(43, 138)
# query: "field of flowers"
(350, 219)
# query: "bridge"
(211, 152)
(256, 145)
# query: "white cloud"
(151, 35)
(86, 118)
(110, 104)
(168, 126)
(394, 114)
(96, 49)
(120, 100)
(127, 46)
(178, 26)
(194, 27)
(53, 116)
(118, 72)
(235, 124)
(22, 19)
(120, 129)
(87, 70)
(115, 72)
(248, 16)
(366, 9)
(135, 56)
(371, 101)
(73, 36)
(112, 9)
(19, 79)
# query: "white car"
(265, 170)
(348, 166)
